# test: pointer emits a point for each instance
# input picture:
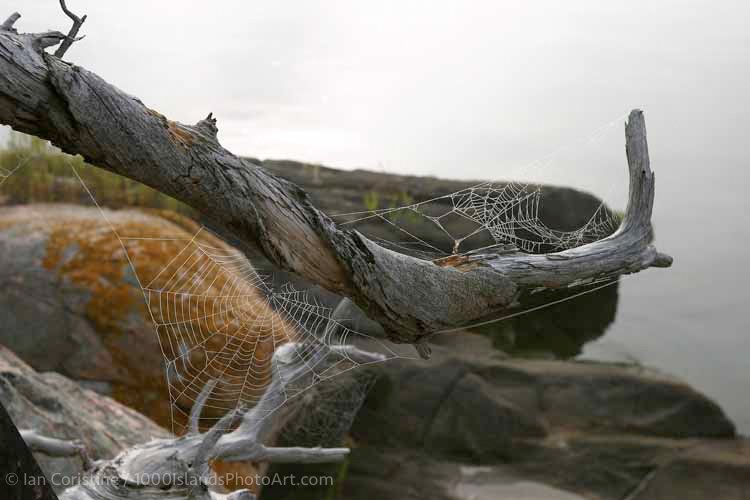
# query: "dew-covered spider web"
(507, 216)
(484, 215)
(219, 320)
(7, 172)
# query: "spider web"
(496, 214)
(325, 413)
(6, 173)
(219, 320)
(504, 215)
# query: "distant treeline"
(33, 171)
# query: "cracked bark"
(83, 114)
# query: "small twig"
(8, 24)
(77, 23)
(197, 409)
(53, 447)
(209, 440)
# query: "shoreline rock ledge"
(472, 423)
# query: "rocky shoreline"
(470, 423)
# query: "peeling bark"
(83, 114)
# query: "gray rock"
(388, 473)
(719, 470)
(534, 429)
(55, 406)
(70, 302)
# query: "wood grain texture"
(83, 114)
(179, 467)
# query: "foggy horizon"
(442, 89)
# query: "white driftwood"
(82, 114)
(178, 468)
(52, 447)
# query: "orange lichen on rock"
(211, 320)
(239, 475)
(202, 297)
(86, 253)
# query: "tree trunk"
(79, 112)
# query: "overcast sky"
(467, 89)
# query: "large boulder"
(430, 403)
(413, 474)
(75, 279)
(472, 423)
(704, 471)
(55, 406)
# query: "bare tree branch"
(77, 23)
(411, 298)
(41, 41)
(246, 442)
(54, 447)
(185, 460)
(8, 24)
(197, 409)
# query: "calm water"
(691, 320)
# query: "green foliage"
(371, 199)
(406, 215)
(372, 202)
(618, 216)
(335, 490)
(40, 173)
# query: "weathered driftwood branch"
(179, 467)
(8, 23)
(200, 402)
(51, 446)
(77, 23)
(411, 298)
